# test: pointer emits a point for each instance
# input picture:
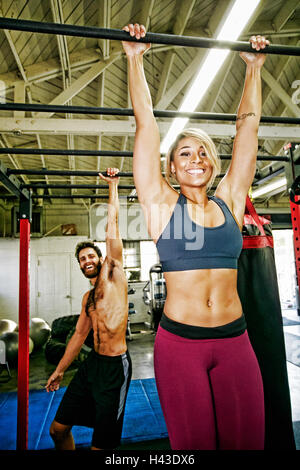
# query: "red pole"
(23, 355)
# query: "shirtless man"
(96, 395)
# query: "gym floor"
(140, 348)
(141, 351)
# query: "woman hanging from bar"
(207, 374)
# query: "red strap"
(248, 220)
(251, 210)
(257, 241)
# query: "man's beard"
(93, 273)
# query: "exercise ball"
(11, 346)
(11, 341)
(39, 332)
(31, 345)
(7, 326)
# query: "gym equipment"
(131, 311)
(11, 341)
(154, 294)
(7, 326)
(39, 332)
(62, 329)
(295, 191)
(259, 294)
(13, 185)
(155, 38)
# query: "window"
(285, 267)
(132, 260)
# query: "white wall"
(52, 216)
(9, 278)
(9, 273)
(149, 257)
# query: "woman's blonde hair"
(203, 138)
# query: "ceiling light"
(233, 26)
(279, 184)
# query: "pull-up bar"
(65, 152)
(155, 38)
(51, 108)
(78, 196)
(73, 186)
(109, 153)
(13, 171)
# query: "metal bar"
(62, 172)
(78, 196)
(11, 182)
(129, 112)
(109, 153)
(155, 38)
(66, 152)
(73, 186)
(272, 158)
(268, 177)
(23, 350)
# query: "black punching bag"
(259, 294)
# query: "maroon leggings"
(211, 392)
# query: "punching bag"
(259, 294)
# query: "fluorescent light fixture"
(268, 188)
(234, 24)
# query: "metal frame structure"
(8, 176)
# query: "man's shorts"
(96, 398)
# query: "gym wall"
(56, 281)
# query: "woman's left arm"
(241, 171)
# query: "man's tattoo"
(243, 116)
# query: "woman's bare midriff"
(206, 297)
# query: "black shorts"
(96, 398)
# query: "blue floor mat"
(143, 418)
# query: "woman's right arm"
(148, 179)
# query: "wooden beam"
(123, 127)
(284, 14)
(268, 27)
(19, 97)
(104, 12)
(146, 7)
(280, 92)
(179, 27)
(181, 82)
(37, 136)
(4, 142)
(81, 83)
(15, 54)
